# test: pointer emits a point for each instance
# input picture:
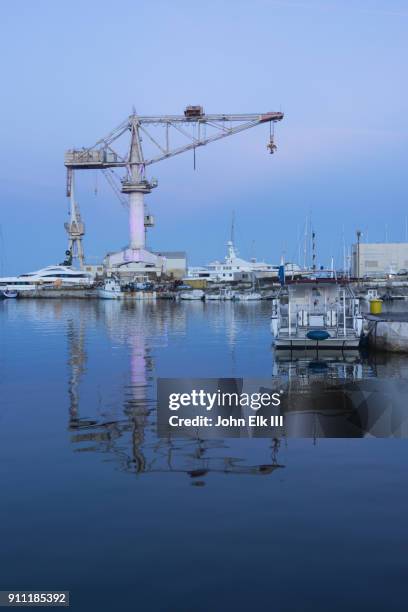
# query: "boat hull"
(195, 294)
(191, 299)
(308, 344)
(249, 297)
(219, 297)
(104, 294)
(6, 294)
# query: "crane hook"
(271, 144)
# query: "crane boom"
(102, 155)
(258, 117)
(202, 141)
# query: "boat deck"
(298, 339)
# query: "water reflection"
(343, 396)
(131, 439)
(115, 352)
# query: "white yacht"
(51, 276)
(316, 313)
(233, 268)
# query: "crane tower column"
(136, 220)
(136, 186)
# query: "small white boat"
(209, 297)
(221, 295)
(111, 290)
(192, 294)
(252, 296)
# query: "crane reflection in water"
(131, 437)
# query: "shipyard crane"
(182, 133)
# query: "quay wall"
(389, 336)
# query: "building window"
(371, 263)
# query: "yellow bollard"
(375, 306)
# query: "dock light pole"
(358, 256)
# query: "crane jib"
(195, 126)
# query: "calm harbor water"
(93, 502)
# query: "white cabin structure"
(234, 269)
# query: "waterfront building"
(376, 259)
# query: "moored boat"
(192, 294)
(221, 295)
(110, 290)
(251, 296)
(49, 277)
(316, 313)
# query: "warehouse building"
(379, 259)
(172, 264)
(175, 263)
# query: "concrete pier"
(388, 332)
(86, 294)
(58, 293)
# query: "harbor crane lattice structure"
(178, 134)
(75, 229)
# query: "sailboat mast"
(344, 254)
(313, 251)
(305, 244)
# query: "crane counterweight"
(192, 112)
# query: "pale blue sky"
(72, 71)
